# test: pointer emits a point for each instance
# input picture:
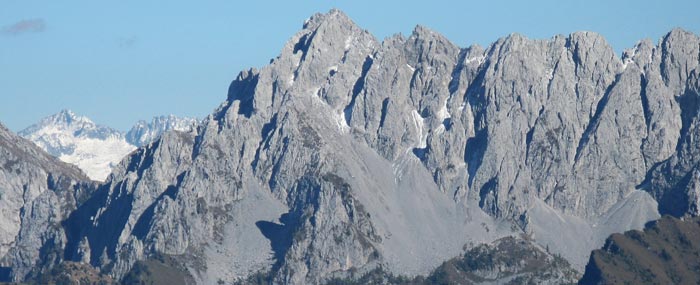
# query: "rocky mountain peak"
(95, 148)
(143, 132)
(77, 140)
(37, 192)
(428, 46)
(681, 53)
(63, 120)
(679, 35)
(67, 116)
(335, 16)
(345, 155)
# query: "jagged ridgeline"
(37, 192)
(348, 159)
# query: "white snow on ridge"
(444, 113)
(340, 122)
(628, 57)
(77, 140)
(348, 43)
(97, 157)
(477, 59)
(411, 68)
(143, 133)
(419, 124)
(96, 149)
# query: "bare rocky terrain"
(347, 156)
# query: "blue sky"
(120, 61)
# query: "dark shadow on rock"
(143, 224)
(5, 273)
(280, 236)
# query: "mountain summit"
(96, 149)
(77, 140)
(143, 133)
(347, 157)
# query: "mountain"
(505, 261)
(143, 133)
(346, 156)
(77, 140)
(666, 252)
(37, 192)
(94, 148)
(509, 260)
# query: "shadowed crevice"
(595, 120)
(145, 221)
(357, 88)
(280, 236)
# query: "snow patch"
(79, 141)
(478, 59)
(315, 92)
(440, 129)
(348, 43)
(333, 68)
(444, 113)
(340, 122)
(411, 68)
(97, 157)
(93, 148)
(549, 73)
(626, 62)
(419, 123)
(461, 107)
(628, 57)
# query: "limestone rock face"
(37, 192)
(346, 154)
(674, 182)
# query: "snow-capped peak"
(143, 133)
(63, 120)
(96, 149)
(77, 140)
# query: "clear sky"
(120, 61)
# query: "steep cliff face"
(37, 192)
(674, 182)
(346, 153)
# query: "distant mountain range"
(349, 160)
(94, 148)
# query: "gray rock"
(37, 192)
(96, 149)
(673, 182)
(143, 133)
(346, 154)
